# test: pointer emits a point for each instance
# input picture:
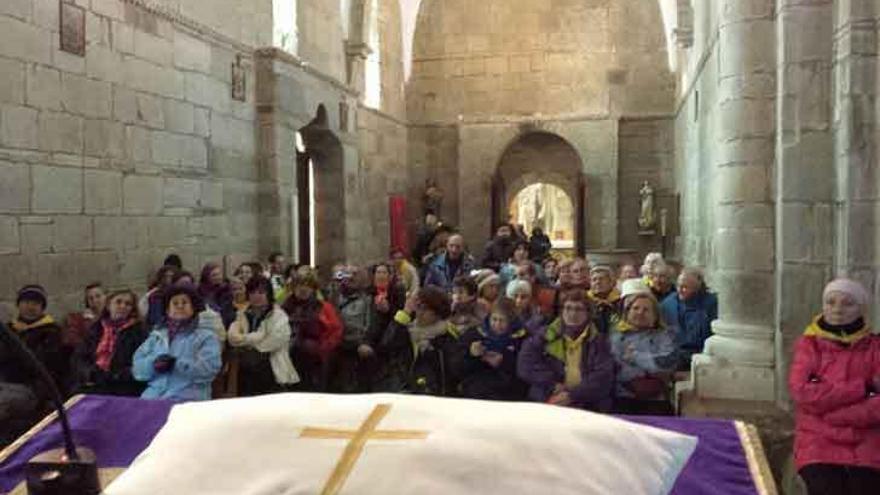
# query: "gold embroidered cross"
(357, 439)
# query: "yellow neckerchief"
(610, 300)
(20, 326)
(814, 330)
(623, 326)
(555, 345)
(574, 352)
(241, 306)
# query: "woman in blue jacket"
(181, 357)
(689, 313)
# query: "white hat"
(633, 286)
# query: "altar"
(728, 458)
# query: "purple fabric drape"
(118, 429)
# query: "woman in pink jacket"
(834, 382)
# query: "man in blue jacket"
(454, 262)
(689, 312)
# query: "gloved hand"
(164, 363)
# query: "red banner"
(397, 215)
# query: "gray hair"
(518, 286)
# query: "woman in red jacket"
(834, 383)
(316, 332)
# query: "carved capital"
(357, 50)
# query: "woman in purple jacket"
(569, 363)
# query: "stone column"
(738, 361)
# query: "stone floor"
(775, 425)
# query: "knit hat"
(633, 286)
(515, 286)
(849, 287)
(602, 269)
(33, 293)
(484, 278)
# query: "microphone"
(65, 471)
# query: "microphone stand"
(64, 471)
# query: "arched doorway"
(547, 207)
(321, 195)
(540, 158)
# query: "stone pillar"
(738, 361)
(804, 171)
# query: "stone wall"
(112, 160)
(248, 22)
(554, 57)
(319, 24)
(484, 74)
(646, 154)
(481, 146)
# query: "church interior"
(734, 137)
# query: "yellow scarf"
(20, 326)
(814, 330)
(611, 300)
(622, 326)
(573, 358)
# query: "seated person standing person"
(23, 398)
(214, 291)
(404, 271)
(445, 267)
(491, 354)
(520, 256)
(835, 386)
(316, 331)
(550, 266)
(646, 358)
(355, 305)
(569, 362)
(604, 297)
(150, 305)
(543, 297)
(527, 314)
(181, 356)
(77, 325)
(423, 355)
(41, 334)
(260, 337)
(104, 361)
(465, 311)
(499, 249)
(689, 314)
(660, 281)
(488, 291)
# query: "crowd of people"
(517, 324)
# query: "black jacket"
(118, 380)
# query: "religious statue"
(433, 198)
(647, 216)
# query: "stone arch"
(534, 157)
(321, 186)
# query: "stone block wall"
(554, 57)
(108, 162)
(646, 154)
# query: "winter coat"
(23, 398)
(497, 253)
(837, 415)
(607, 309)
(356, 313)
(118, 380)
(539, 247)
(76, 328)
(541, 365)
(691, 321)
(197, 354)
(315, 327)
(264, 360)
(151, 307)
(654, 357)
(440, 274)
(479, 380)
(44, 338)
(432, 370)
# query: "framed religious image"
(73, 29)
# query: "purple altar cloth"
(118, 429)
